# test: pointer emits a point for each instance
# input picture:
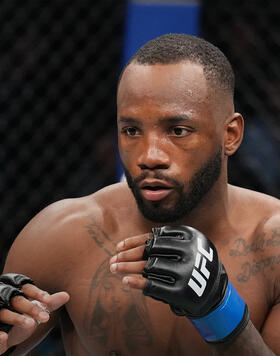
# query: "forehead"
(171, 86)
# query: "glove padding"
(184, 270)
(10, 286)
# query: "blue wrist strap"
(225, 319)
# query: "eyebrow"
(168, 119)
(130, 120)
(175, 119)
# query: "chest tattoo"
(116, 317)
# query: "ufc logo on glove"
(203, 269)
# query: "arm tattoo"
(250, 269)
(262, 243)
(242, 248)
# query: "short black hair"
(178, 47)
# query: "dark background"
(249, 34)
(59, 64)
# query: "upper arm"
(42, 251)
(40, 247)
(271, 328)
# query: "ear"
(233, 129)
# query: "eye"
(180, 131)
(130, 131)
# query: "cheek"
(122, 149)
(128, 152)
(184, 168)
(125, 155)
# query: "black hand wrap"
(184, 270)
(10, 286)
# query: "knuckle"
(18, 319)
(28, 288)
(120, 256)
(17, 301)
(34, 310)
(119, 267)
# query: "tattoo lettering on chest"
(116, 318)
(100, 237)
(242, 248)
(251, 269)
(266, 261)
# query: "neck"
(212, 213)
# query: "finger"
(12, 318)
(57, 300)
(133, 241)
(128, 267)
(134, 254)
(3, 337)
(136, 281)
(162, 266)
(23, 305)
(33, 292)
(3, 342)
(54, 302)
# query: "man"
(212, 276)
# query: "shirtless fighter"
(177, 261)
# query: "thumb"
(3, 342)
(57, 300)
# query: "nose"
(153, 155)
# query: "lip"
(155, 195)
(162, 191)
(154, 183)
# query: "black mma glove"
(184, 270)
(10, 286)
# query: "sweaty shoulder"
(48, 244)
(258, 210)
(256, 247)
(258, 214)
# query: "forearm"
(248, 343)
(39, 335)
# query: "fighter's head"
(176, 124)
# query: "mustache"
(156, 175)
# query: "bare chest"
(110, 319)
(106, 318)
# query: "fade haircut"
(174, 48)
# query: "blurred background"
(59, 66)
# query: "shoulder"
(266, 209)
(260, 207)
(266, 235)
(47, 244)
(261, 213)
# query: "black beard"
(198, 186)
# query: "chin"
(158, 213)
